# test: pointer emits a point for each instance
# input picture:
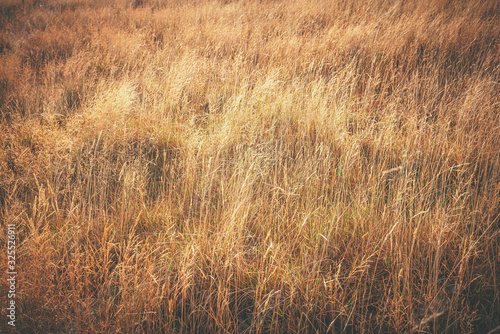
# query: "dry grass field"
(296, 166)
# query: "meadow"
(295, 166)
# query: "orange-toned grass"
(252, 166)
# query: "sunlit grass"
(252, 166)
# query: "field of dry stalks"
(289, 166)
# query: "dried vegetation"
(252, 166)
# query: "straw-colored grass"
(290, 166)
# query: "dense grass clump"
(252, 166)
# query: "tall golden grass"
(252, 166)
